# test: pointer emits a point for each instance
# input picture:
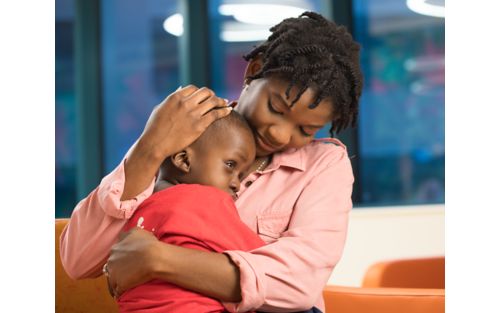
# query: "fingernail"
(227, 101)
(180, 87)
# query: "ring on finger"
(106, 274)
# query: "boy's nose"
(235, 185)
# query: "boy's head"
(218, 158)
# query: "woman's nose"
(280, 135)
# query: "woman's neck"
(260, 163)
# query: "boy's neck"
(163, 184)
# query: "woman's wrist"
(141, 166)
(159, 267)
(149, 152)
(209, 273)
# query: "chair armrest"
(339, 299)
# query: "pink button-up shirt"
(299, 205)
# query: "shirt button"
(248, 183)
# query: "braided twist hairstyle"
(310, 51)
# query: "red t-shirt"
(192, 216)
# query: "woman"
(296, 196)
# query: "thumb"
(122, 235)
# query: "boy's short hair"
(225, 126)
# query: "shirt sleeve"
(95, 225)
(290, 273)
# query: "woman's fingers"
(198, 96)
(180, 119)
(186, 91)
(214, 115)
(210, 104)
(111, 281)
(206, 107)
(129, 261)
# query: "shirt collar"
(295, 158)
(292, 158)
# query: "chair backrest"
(87, 295)
(383, 300)
(409, 273)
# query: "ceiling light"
(174, 24)
(427, 7)
(244, 35)
(254, 20)
(261, 14)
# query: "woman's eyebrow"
(282, 100)
(313, 126)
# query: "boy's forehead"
(229, 136)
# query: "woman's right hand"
(173, 125)
(180, 119)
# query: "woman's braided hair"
(310, 51)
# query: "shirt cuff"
(111, 190)
(252, 283)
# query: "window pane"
(66, 156)
(402, 106)
(140, 68)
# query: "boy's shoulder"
(189, 194)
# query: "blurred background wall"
(115, 60)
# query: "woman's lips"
(264, 145)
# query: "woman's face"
(276, 125)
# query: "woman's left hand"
(132, 260)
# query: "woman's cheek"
(301, 142)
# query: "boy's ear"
(181, 161)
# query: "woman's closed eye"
(304, 133)
(272, 108)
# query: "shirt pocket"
(273, 225)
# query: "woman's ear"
(181, 161)
(253, 67)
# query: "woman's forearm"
(209, 273)
(141, 166)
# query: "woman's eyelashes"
(272, 109)
(275, 111)
(304, 133)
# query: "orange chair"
(383, 300)
(87, 295)
(91, 295)
(412, 285)
(409, 273)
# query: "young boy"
(193, 206)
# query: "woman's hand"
(181, 118)
(173, 125)
(139, 257)
(132, 261)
